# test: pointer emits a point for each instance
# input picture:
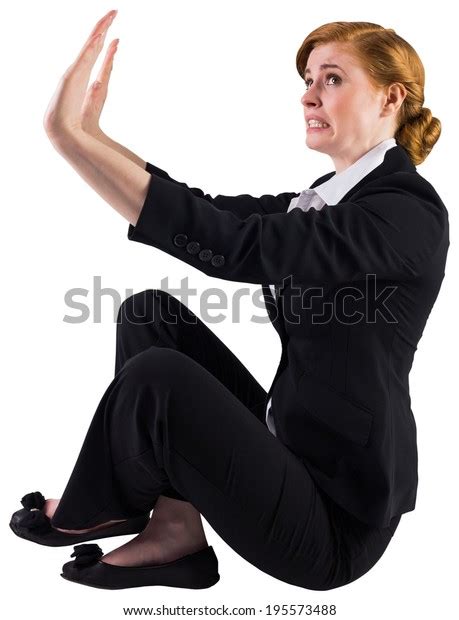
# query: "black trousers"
(184, 418)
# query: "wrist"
(95, 132)
(65, 139)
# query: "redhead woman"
(309, 480)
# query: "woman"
(307, 482)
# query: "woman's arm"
(119, 148)
(241, 205)
(116, 178)
(75, 107)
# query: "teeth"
(317, 124)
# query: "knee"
(156, 365)
(143, 307)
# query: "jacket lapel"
(396, 159)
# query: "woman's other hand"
(72, 107)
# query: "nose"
(310, 96)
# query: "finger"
(107, 65)
(91, 50)
(96, 95)
(97, 36)
(103, 23)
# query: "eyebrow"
(326, 66)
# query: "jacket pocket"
(334, 409)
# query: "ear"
(394, 96)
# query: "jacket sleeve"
(242, 205)
(386, 233)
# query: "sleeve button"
(193, 247)
(180, 240)
(205, 255)
(218, 260)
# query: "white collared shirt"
(329, 193)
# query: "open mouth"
(314, 124)
(317, 128)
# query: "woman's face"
(344, 98)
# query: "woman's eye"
(330, 75)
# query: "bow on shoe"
(33, 500)
(34, 518)
(86, 554)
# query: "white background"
(209, 92)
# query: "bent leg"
(166, 420)
(149, 318)
(155, 318)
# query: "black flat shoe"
(32, 524)
(194, 571)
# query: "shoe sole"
(165, 585)
(61, 539)
(196, 571)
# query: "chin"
(321, 148)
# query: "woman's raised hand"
(73, 107)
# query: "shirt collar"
(338, 185)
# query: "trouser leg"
(146, 319)
(166, 420)
(156, 318)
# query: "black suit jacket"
(356, 284)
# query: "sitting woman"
(309, 480)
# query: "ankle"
(50, 507)
(174, 511)
(175, 530)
